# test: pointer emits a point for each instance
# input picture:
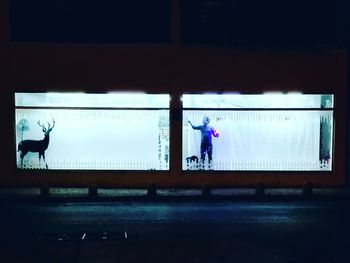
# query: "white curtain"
(258, 140)
(99, 139)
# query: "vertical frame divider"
(175, 134)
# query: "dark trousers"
(206, 148)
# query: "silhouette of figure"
(207, 132)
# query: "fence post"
(260, 189)
(152, 190)
(307, 189)
(93, 191)
(206, 190)
(44, 191)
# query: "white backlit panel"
(92, 131)
(267, 132)
(268, 100)
(88, 100)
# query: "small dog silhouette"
(192, 158)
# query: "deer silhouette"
(38, 146)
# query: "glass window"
(78, 131)
(93, 21)
(259, 24)
(265, 132)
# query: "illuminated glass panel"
(252, 101)
(89, 100)
(270, 132)
(93, 131)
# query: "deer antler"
(53, 125)
(41, 125)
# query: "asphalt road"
(300, 231)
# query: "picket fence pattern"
(259, 166)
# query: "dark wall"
(163, 68)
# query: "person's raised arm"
(194, 127)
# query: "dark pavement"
(187, 231)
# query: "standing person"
(207, 132)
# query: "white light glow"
(266, 100)
(92, 100)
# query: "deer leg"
(45, 160)
(40, 159)
(22, 157)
